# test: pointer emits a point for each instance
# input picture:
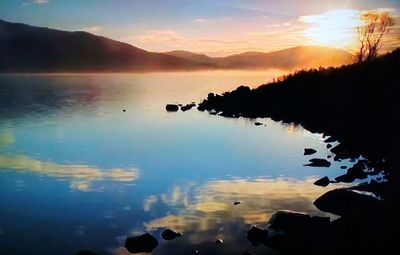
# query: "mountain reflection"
(210, 213)
(81, 175)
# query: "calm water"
(76, 172)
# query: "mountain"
(301, 56)
(25, 48)
(195, 57)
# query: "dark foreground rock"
(318, 162)
(323, 182)
(309, 151)
(256, 235)
(143, 243)
(172, 108)
(345, 202)
(169, 234)
(290, 231)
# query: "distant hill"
(195, 57)
(301, 56)
(25, 48)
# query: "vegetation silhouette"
(358, 106)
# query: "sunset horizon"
(215, 29)
(176, 127)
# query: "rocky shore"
(357, 106)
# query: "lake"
(77, 172)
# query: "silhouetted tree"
(376, 25)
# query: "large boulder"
(256, 235)
(290, 231)
(143, 243)
(346, 202)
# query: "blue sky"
(217, 27)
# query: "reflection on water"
(81, 175)
(63, 138)
(211, 214)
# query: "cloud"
(41, 1)
(92, 29)
(175, 39)
(200, 20)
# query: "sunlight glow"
(336, 28)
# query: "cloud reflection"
(82, 175)
(213, 204)
(207, 213)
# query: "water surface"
(77, 172)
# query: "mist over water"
(77, 172)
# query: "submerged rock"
(309, 151)
(169, 234)
(172, 108)
(143, 243)
(319, 162)
(344, 202)
(256, 235)
(323, 182)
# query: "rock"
(86, 252)
(319, 162)
(344, 202)
(347, 178)
(187, 107)
(329, 156)
(237, 203)
(172, 108)
(124, 110)
(219, 241)
(169, 234)
(194, 251)
(258, 123)
(288, 230)
(309, 151)
(343, 167)
(213, 112)
(143, 243)
(329, 146)
(286, 220)
(323, 182)
(256, 235)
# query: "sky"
(213, 27)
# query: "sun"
(336, 28)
